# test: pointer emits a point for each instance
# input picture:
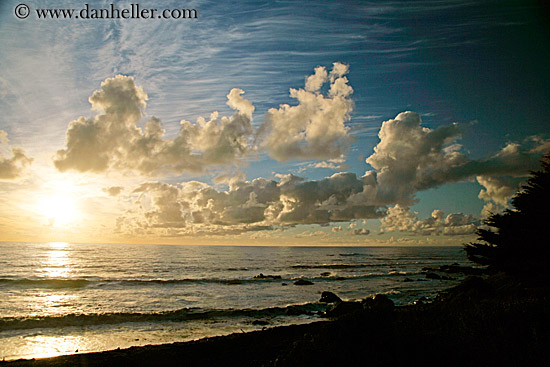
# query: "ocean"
(60, 298)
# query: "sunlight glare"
(58, 209)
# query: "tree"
(516, 241)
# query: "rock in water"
(261, 276)
(303, 282)
(329, 297)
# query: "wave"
(331, 266)
(394, 272)
(181, 315)
(178, 281)
(366, 276)
(352, 254)
(81, 283)
(47, 282)
(57, 283)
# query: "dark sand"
(497, 321)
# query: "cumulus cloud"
(410, 158)
(12, 167)
(121, 137)
(315, 82)
(113, 140)
(497, 192)
(248, 205)
(497, 189)
(361, 231)
(402, 219)
(315, 127)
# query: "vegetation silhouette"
(516, 241)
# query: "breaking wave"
(181, 315)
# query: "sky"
(270, 122)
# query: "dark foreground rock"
(482, 322)
(380, 302)
(329, 297)
(343, 309)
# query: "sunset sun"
(59, 209)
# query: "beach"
(498, 320)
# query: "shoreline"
(497, 320)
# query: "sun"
(59, 209)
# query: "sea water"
(60, 298)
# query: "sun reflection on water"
(58, 245)
(58, 263)
(43, 346)
(55, 269)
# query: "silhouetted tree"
(516, 241)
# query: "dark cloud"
(247, 204)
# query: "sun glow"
(59, 209)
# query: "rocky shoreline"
(497, 320)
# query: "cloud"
(117, 138)
(315, 128)
(4, 137)
(12, 167)
(498, 189)
(248, 204)
(361, 231)
(113, 190)
(308, 234)
(336, 164)
(402, 219)
(315, 82)
(410, 158)
(113, 140)
(497, 192)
